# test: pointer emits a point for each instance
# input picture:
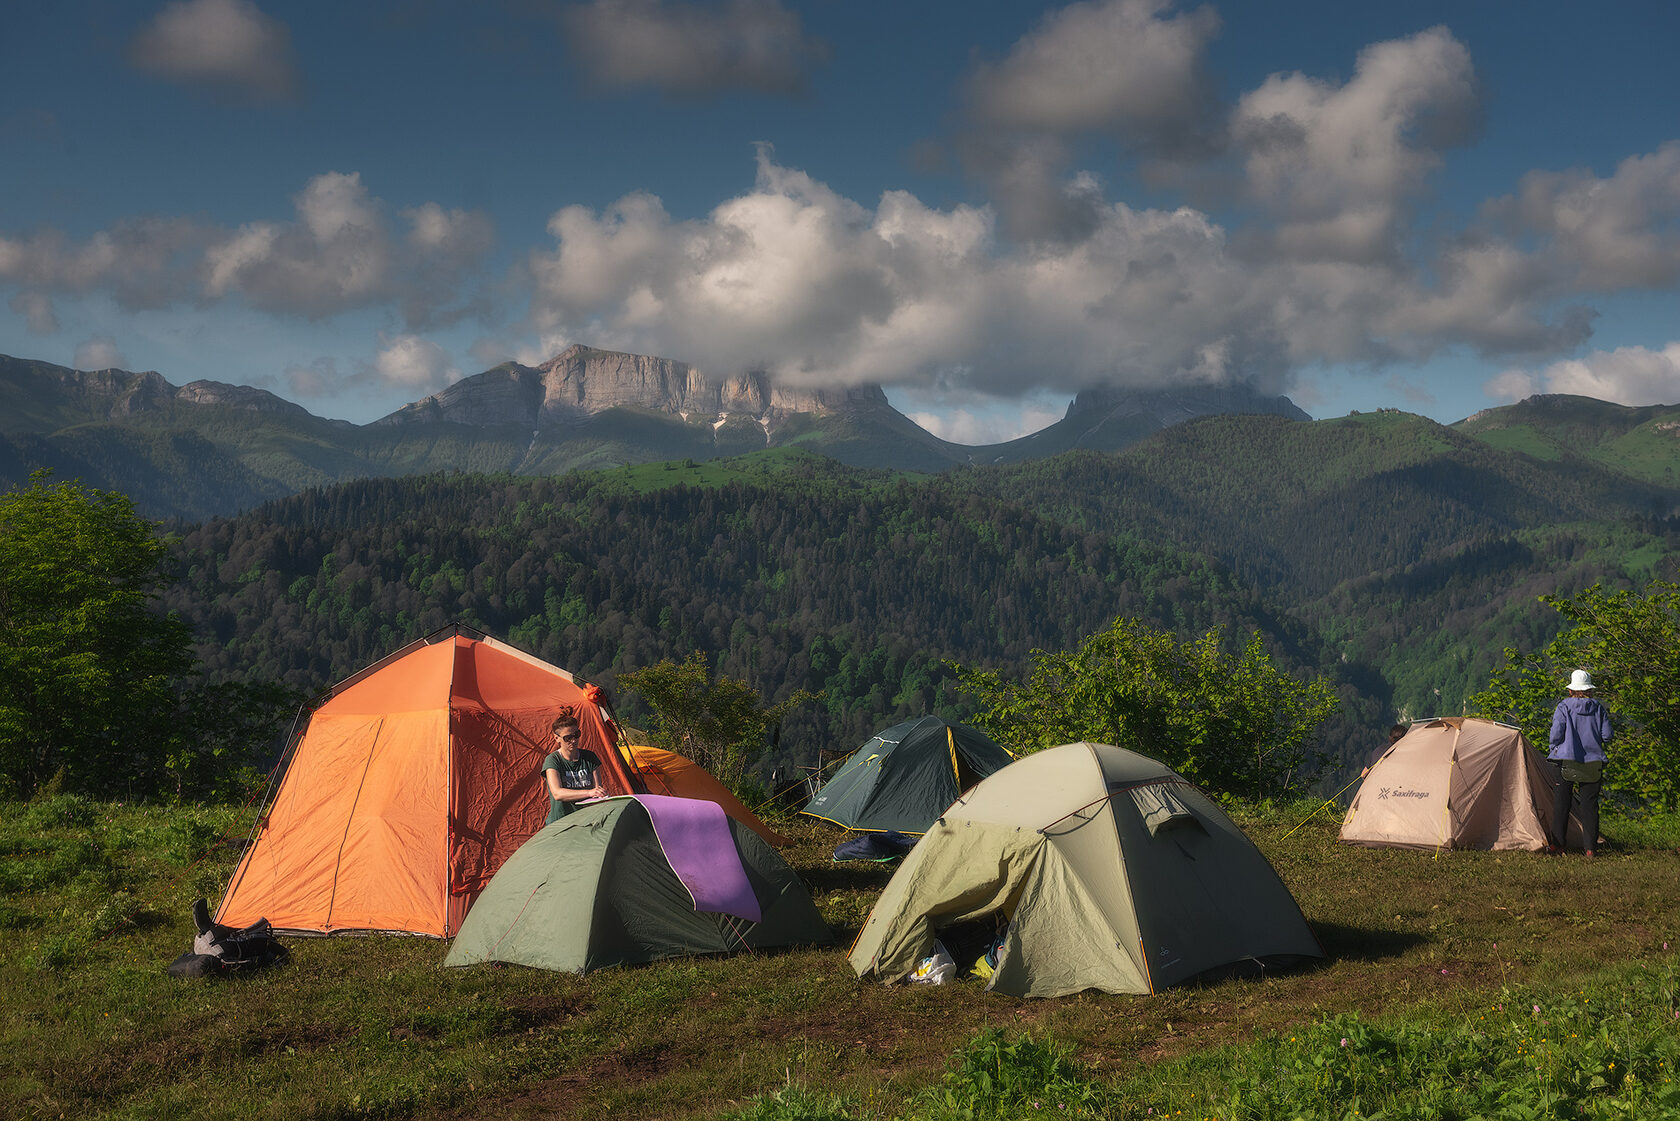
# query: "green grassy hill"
(1641, 443)
(1465, 985)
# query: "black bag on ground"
(219, 949)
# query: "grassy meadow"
(1459, 985)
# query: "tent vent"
(1162, 809)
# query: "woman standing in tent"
(569, 770)
(1580, 729)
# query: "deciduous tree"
(718, 722)
(89, 673)
(1236, 724)
(1630, 641)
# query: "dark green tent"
(596, 889)
(906, 776)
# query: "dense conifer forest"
(790, 573)
(1395, 556)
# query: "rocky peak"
(236, 397)
(115, 393)
(581, 381)
(1174, 405)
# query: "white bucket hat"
(1580, 681)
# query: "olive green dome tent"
(1114, 873)
(905, 776)
(637, 879)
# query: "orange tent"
(409, 786)
(666, 772)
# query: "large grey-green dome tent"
(1113, 872)
(905, 776)
(637, 879)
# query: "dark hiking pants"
(1562, 800)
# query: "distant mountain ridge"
(40, 395)
(210, 447)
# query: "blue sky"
(985, 208)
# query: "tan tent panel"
(1114, 872)
(666, 772)
(409, 786)
(1455, 783)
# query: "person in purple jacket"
(1580, 729)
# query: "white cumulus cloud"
(1338, 164)
(978, 427)
(687, 48)
(796, 280)
(1629, 375)
(1604, 234)
(37, 311)
(230, 46)
(343, 251)
(340, 251)
(412, 363)
(1128, 66)
(99, 353)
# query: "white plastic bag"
(935, 969)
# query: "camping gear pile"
(881, 848)
(218, 950)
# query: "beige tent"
(1114, 873)
(1455, 783)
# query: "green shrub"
(1581, 1056)
(189, 836)
(62, 811)
(795, 1103)
(119, 910)
(1001, 1076)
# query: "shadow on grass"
(1362, 943)
(848, 876)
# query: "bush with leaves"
(89, 673)
(719, 722)
(97, 695)
(1236, 724)
(1630, 641)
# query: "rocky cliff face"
(237, 397)
(117, 394)
(582, 381)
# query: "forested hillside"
(1411, 546)
(789, 571)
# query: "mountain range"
(1402, 555)
(209, 448)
